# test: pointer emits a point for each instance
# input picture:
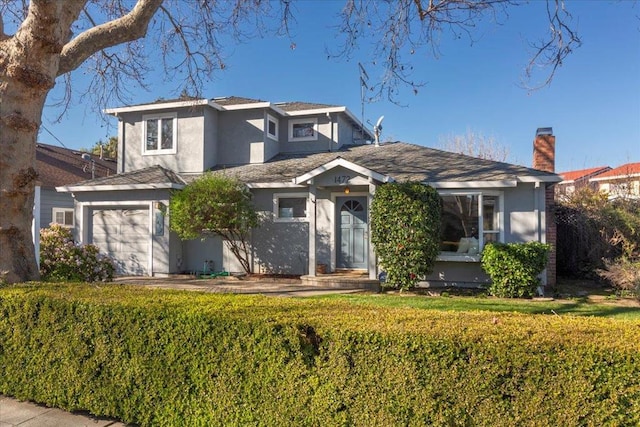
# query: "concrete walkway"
(26, 414)
(268, 287)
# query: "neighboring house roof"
(153, 177)
(400, 161)
(572, 176)
(58, 166)
(628, 170)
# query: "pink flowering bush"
(62, 260)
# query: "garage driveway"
(269, 287)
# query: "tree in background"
(598, 237)
(42, 42)
(215, 204)
(108, 149)
(475, 145)
(405, 231)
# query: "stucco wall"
(241, 137)
(189, 146)
(323, 143)
(278, 247)
(210, 149)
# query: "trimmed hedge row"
(171, 358)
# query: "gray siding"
(49, 199)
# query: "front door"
(351, 213)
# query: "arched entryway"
(351, 232)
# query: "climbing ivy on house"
(405, 231)
(219, 205)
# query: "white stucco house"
(313, 171)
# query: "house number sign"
(341, 179)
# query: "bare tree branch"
(552, 52)
(130, 27)
(400, 28)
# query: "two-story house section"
(313, 171)
(192, 136)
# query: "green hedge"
(170, 358)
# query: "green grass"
(573, 307)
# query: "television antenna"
(364, 86)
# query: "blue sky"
(593, 103)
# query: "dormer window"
(159, 134)
(272, 127)
(303, 130)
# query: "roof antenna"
(364, 78)
(377, 130)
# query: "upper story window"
(290, 207)
(469, 221)
(159, 134)
(62, 216)
(303, 130)
(272, 127)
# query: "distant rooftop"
(58, 166)
(571, 176)
(625, 171)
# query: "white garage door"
(123, 234)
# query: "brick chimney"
(544, 150)
(544, 158)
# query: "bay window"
(469, 221)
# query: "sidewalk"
(27, 414)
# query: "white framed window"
(469, 221)
(272, 127)
(290, 207)
(303, 130)
(159, 134)
(62, 216)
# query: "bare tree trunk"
(19, 122)
(29, 63)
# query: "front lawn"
(583, 306)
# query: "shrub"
(624, 275)
(593, 230)
(405, 230)
(62, 260)
(514, 267)
(167, 358)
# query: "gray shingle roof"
(58, 166)
(401, 161)
(235, 100)
(151, 175)
(300, 106)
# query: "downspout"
(536, 209)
